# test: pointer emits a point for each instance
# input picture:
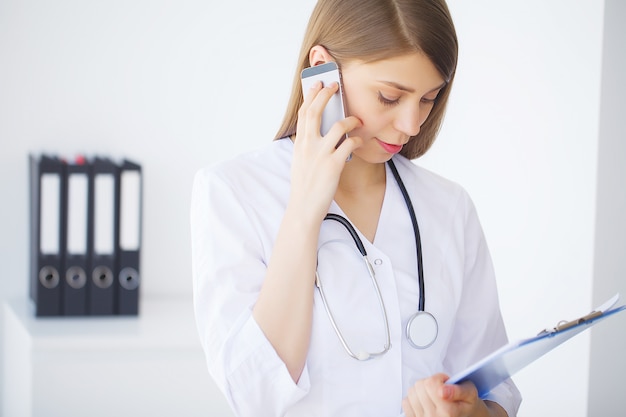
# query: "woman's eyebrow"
(408, 89)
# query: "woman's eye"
(385, 101)
(430, 99)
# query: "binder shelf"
(85, 236)
(151, 365)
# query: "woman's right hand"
(284, 309)
(317, 161)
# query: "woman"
(277, 345)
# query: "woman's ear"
(319, 55)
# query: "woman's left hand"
(432, 397)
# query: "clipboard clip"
(597, 312)
(564, 324)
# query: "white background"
(177, 85)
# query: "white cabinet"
(151, 365)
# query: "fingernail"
(447, 392)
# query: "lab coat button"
(378, 262)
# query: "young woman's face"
(392, 98)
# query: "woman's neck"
(360, 194)
(358, 176)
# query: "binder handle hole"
(49, 277)
(129, 278)
(102, 277)
(76, 277)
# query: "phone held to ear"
(334, 111)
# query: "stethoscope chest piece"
(422, 330)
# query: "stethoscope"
(422, 328)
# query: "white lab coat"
(237, 207)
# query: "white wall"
(521, 135)
(177, 85)
(608, 343)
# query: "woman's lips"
(388, 147)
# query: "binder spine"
(47, 234)
(129, 243)
(103, 205)
(78, 239)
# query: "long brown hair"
(373, 30)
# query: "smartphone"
(327, 73)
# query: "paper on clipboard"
(506, 361)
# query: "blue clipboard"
(494, 369)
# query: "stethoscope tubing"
(359, 244)
(350, 229)
(420, 321)
(418, 240)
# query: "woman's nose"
(409, 121)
